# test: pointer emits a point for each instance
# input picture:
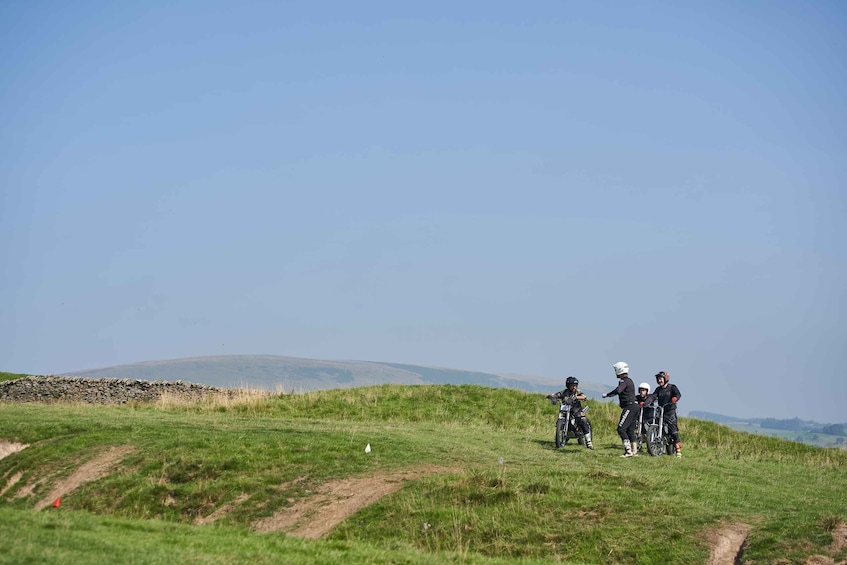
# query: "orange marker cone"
(58, 502)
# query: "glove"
(604, 395)
(674, 399)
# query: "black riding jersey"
(666, 394)
(625, 392)
(647, 399)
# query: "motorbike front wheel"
(561, 432)
(654, 441)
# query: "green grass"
(10, 376)
(83, 538)
(539, 505)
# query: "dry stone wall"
(99, 391)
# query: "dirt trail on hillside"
(727, 543)
(221, 512)
(315, 516)
(839, 542)
(839, 537)
(91, 471)
(9, 447)
(6, 449)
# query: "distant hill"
(712, 417)
(794, 429)
(293, 374)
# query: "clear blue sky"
(540, 188)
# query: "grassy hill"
(470, 473)
(10, 376)
(275, 373)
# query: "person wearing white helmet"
(625, 391)
(643, 394)
(668, 394)
(645, 400)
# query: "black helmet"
(664, 375)
(571, 381)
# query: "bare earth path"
(727, 544)
(91, 471)
(315, 516)
(839, 537)
(220, 512)
(8, 447)
(839, 542)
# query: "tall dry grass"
(231, 398)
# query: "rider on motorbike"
(575, 396)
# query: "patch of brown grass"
(232, 398)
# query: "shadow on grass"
(572, 445)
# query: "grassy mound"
(504, 490)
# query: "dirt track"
(90, 471)
(334, 501)
(727, 544)
(98, 467)
(8, 447)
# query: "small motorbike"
(654, 432)
(566, 424)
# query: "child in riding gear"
(625, 392)
(668, 394)
(576, 397)
(645, 400)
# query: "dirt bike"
(566, 424)
(654, 432)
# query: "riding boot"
(588, 443)
(627, 448)
(678, 449)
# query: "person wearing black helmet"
(668, 394)
(625, 391)
(577, 397)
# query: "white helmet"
(620, 368)
(644, 386)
